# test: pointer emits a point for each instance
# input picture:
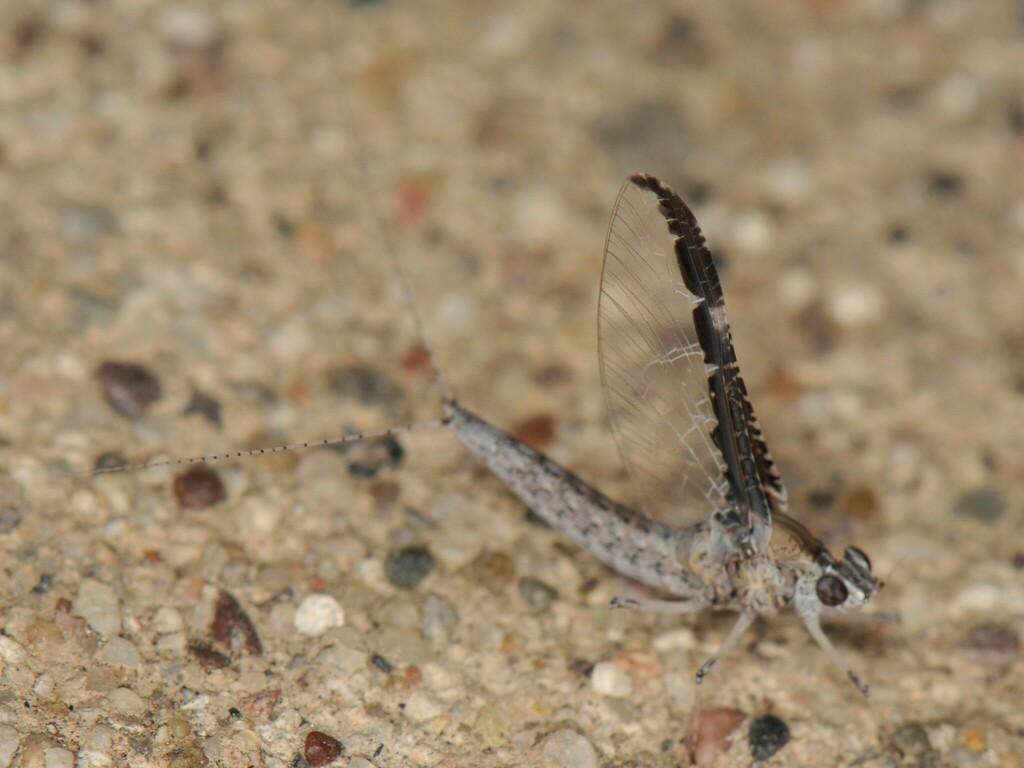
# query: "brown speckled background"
(195, 187)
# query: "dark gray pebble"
(984, 505)
(204, 406)
(991, 643)
(128, 388)
(367, 386)
(382, 664)
(10, 519)
(407, 567)
(912, 741)
(768, 734)
(536, 593)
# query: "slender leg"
(746, 618)
(659, 606)
(814, 627)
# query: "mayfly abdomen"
(630, 543)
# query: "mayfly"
(713, 532)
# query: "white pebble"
(680, 639)
(191, 27)
(318, 613)
(127, 701)
(609, 679)
(167, 620)
(567, 749)
(856, 305)
(788, 180)
(99, 606)
(795, 287)
(752, 232)
(10, 650)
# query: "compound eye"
(857, 559)
(831, 591)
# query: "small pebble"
(342, 659)
(538, 431)
(321, 749)
(99, 606)
(119, 652)
(407, 567)
(855, 305)
(440, 618)
(318, 613)
(367, 386)
(983, 504)
(128, 388)
(83, 223)
(233, 628)
(536, 593)
(679, 639)
(127, 701)
(10, 519)
(167, 620)
(198, 488)
(208, 658)
(187, 26)
(204, 406)
(768, 734)
(259, 705)
(912, 741)
(752, 232)
(713, 736)
(382, 664)
(945, 184)
(609, 679)
(567, 749)
(991, 644)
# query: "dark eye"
(831, 591)
(857, 559)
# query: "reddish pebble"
(128, 388)
(413, 675)
(198, 488)
(536, 431)
(233, 628)
(322, 749)
(713, 736)
(259, 705)
(413, 199)
(416, 362)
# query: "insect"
(713, 531)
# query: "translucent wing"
(678, 406)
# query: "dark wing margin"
(749, 469)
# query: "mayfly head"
(846, 584)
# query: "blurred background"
(204, 198)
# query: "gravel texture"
(203, 196)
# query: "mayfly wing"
(677, 404)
